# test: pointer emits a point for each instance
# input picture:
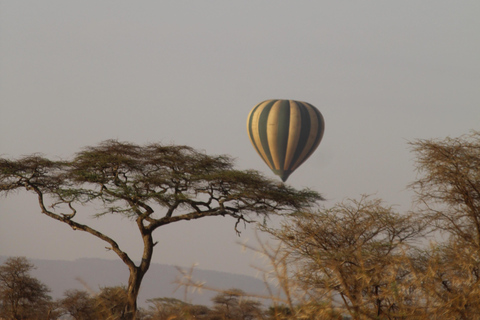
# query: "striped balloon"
(285, 133)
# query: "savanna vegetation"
(153, 185)
(358, 259)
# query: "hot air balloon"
(285, 133)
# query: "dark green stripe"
(283, 131)
(304, 132)
(321, 129)
(262, 130)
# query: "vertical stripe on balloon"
(285, 133)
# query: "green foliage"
(355, 260)
(130, 179)
(154, 185)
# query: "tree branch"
(77, 226)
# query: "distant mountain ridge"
(93, 273)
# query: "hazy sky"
(74, 73)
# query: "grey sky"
(382, 73)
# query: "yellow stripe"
(255, 139)
(293, 133)
(314, 125)
(272, 133)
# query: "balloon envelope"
(285, 133)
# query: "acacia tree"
(448, 186)
(154, 185)
(171, 308)
(21, 295)
(448, 275)
(448, 193)
(236, 305)
(80, 305)
(356, 252)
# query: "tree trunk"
(134, 282)
(137, 273)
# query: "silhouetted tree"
(154, 185)
(236, 305)
(21, 295)
(171, 308)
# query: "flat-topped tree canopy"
(154, 185)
